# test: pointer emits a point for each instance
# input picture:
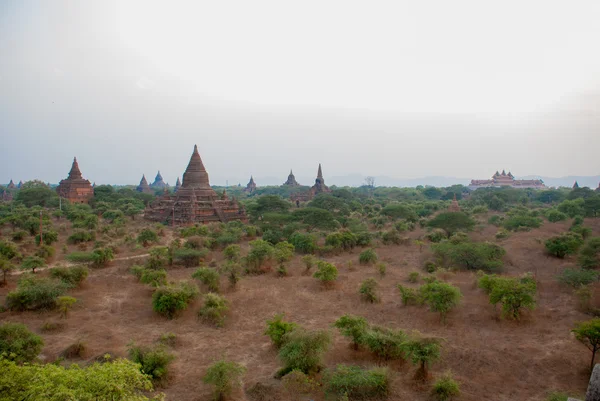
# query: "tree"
(65, 304)
(368, 290)
(208, 277)
(5, 268)
(277, 328)
(589, 256)
(19, 344)
(513, 293)
(36, 194)
(452, 222)
(588, 333)
(147, 236)
(260, 252)
(223, 375)
(440, 297)
(564, 244)
(303, 350)
(422, 351)
(353, 327)
(32, 262)
(153, 362)
(326, 272)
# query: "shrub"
(364, 238)
(260, 252)
(214, 309)
(284, 252)
(368, 290)
(585, 232)
(564, 244)
(422, 351)
(153, 361)
(64, 304)
(589, 256)
(19, 344)
(169, 339)
(297, 383)
(440, 297)
(309, 262)
(154, 278)
(160, 256)
(355, 382)
(223, 375)
(79, 237)
(513, 293)
(381, 269)
(520, 222)
(277, 328)
(430, 267)
(391, 237)
(368, 256)
(45, 252)
(413, 277)
(49, 237)
(326, 272)
(470, 255)
(451, 222)
(72, 276)
(436, 235)
(19, 235)
(32, 262)
(102, 256)
(385, 343)
(147, 237)
(502, 234)
(554, 215)
(303, 350)
(35, 293)
(303, 243)
(588, 333)
(345, 240)
(445, 388)
(578, 277)
(409, 296)
(208, 277)
(171, 299)
(232, 252)
(353, 327)
(80, 257)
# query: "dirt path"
(64, 263)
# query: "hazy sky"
(400, 88)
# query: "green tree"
(353, 327)
(153, 362)
(514, 294)
(224, 376)
(368, 290)
(214, 309)
(445, 388)
(326, 272)
(440, 297)
(452, 222)
(19, 344)
(36, 194)
(64, 304)
(277, 328)
(5, 267)
(147, 237)
(564, 244)
(32, 262)
(303, 350)
(588, 333)
(589, 256)
(422, 351)
(208, 277)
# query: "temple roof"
(576, 185)
(75, 173)
(143, 180)
(320, 172)
(195, 175)
(11, 184)
(158, 176)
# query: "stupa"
(158, 182)
(575, 186)
(454, 207)
(177, 185)
(291, 181)
(11, 185)
(20, 184)
(195, 201)
(251, 187)
(144, 187)
(75, 188)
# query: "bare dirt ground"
(493, 359)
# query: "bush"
(445, 388)
(208, 277)
(564, 244)
(381, 269)
(470, 255)
(72, 276)
(102, 256)
(232, 270)
(422, 351)
(578, 277)
(303, 350)
(554, 216)
(353, 327)
(409, 296)
(65, 304)
(171, 299)
(154, 278)
(502, 234)
(277, 328)
(513, 293)
(190, 257)
(367, 257)
(589, 256)
(326, 272)
(451, 222)
(436, 235)
(147, 237)
(385, 343)
(32, 262)
(303, 243)
(368, 290)
(34, 293)
(345, 240)
(520, 222)
(297, 384)
(391, 237)
(413, 277)
(160, 256)
(309, 262)
(153, 361)
(223, 375)
(214, 309)
(232, 252)
(79, 237)
(440, 297)
(355, 382)
(19, 344)
(49, 237)
(260, 252)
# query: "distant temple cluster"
(505, 180)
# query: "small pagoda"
(291, 181)
(144, 187)
(177, 185)
(454, 206)
(75, 188)
(575, 186)
(11, 185)
(158, 182)
(251, 187)
(195, 201)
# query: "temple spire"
(320, 172)
(75, 173)
(195, 175)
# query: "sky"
(404, 89)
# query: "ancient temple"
(158, 182)
(251, 187)
(177, 185)
(75, 188)
(575, 186)
(505, 180)
(11, 185)
(144, 187)
(20, 184)
(195, 201)
(454, 206)
(316, 189)
(5, 194)
(291, 181)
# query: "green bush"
(208, 277)
(589, 256)
(520, 222)
(297, 384)
(554, 216)
(496, 220)
(160, 256)
(277, 328)
(422, 351)
(588, 333)
(470, 255)
(564, 244)
(232, 252)
(153, 361)
(102, 256)
(32, 262)
(440, 297)
(513, 293)
(452, 222)
(214, 309)
(154, 278)
(260, 253)
(303, 243)
(353, 327)
(384, 343)
(326, 272)
(445, 388)
(223, 376)
(79, 237)
(436, 235)
(345, 240)
(355, 382)
(502, 234)
(368, 291)
(19, 344)
(49, 237)
(409, 296)
(413, 277)
(368, 256)
(578, 277)
(171, 299)
(72, 276)
(303, 350)
(34, 293)
(189, 257)
(391, 237)
(147, 237)
(80, 257)
(309, 261)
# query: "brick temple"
(144, 187)
(291, 181)
(251, 187)
(195, 201)
(318, 188)
(75, 188)
(505, 180)
(158, 182)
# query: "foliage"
(564, 244)
(409, 296)
(232, 252)
(436, 235)
(119, 380)
(451, 222)
(316, 218)
(554, 216)
(399, 211)
(572, 208)
(72, 276)
(445, 388)
(147, 237)
(170, 299)
(440, 297)
(223, 375)
(309, 262)
(5, 267)
(356, 382)
(353, 327)
(384, 343)
(102, 256)
(284, 252)
(34, 293)
(578, 277)
(303, 243)
(588, 333)
(19, 344)
(297, 383)
(48, 237)
(521, 221)
(368, 290)
(326, 272)
(277, 328)
(413, 277)
(589, 256)
(470, 255)
(422, 351)
(189, 257)
(208, 277)
(214, 309)
(32, 262)
(153, 362)
(344, 239)
(154, 278)
(64, 304)
(260, 252)
(513, 293)
(367, 256)
(79, 237)
(303, 350)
